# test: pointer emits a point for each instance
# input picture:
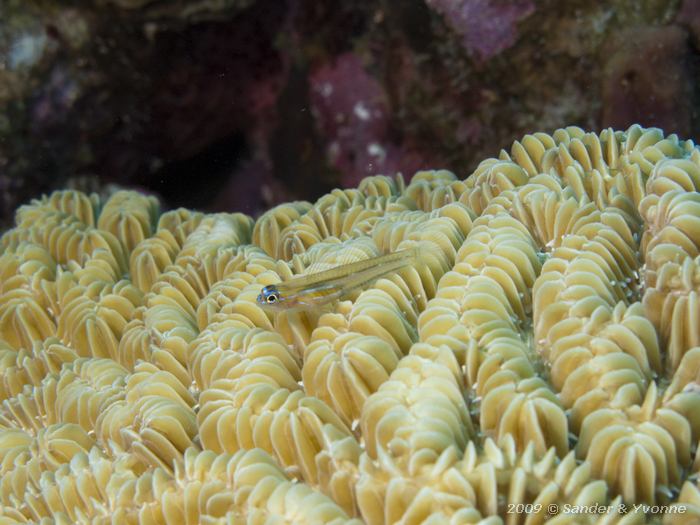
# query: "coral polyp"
(541, 360)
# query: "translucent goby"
(316, 290)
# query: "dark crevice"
(193, 182)
(295, 147)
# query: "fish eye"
(272, 298)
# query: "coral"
(487, 27)
(544, 352)
(352, 113)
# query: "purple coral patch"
(487, 27)
(350, 111)
(352, 114)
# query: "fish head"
(269, 298)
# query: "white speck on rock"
(361, 111)
(376, 150)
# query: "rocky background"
(241, 104)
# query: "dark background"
(238, 105)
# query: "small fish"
(319, 289)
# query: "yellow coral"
(545, 351)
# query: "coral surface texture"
(541, 363)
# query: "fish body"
(319, 289)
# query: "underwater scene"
(275, 262)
